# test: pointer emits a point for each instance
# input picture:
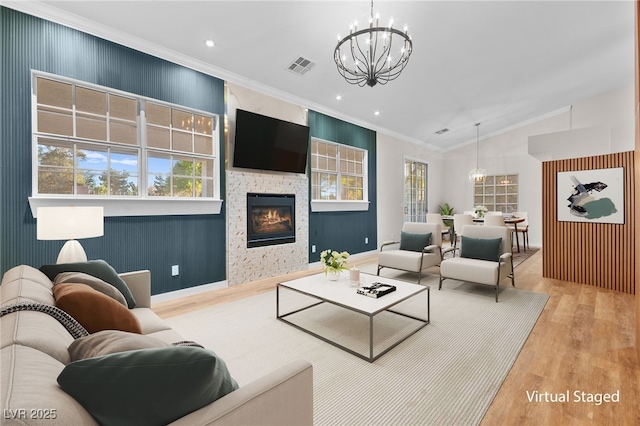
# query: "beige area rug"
(446, 373)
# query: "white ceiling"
(499, 63)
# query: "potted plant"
(446, 210)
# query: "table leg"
(515, 228)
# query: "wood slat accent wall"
(638, 173)
(598, 254)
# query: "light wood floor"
(583, 341)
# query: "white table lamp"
(70, 223)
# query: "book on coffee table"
(376, 290)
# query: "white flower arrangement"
(480, 210)
(334, 261)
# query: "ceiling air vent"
(301, 65)
(441, 131)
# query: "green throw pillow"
(414, 242)
(96, 268)
(480, 248)
(147, 386)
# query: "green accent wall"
(197, 243)
(344, 231)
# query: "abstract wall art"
(591, 195)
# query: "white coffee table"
(340, 293)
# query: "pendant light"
(477, 175)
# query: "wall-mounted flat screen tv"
(266, 143)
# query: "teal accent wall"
(344, 231)
(196, 243)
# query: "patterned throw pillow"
(70, 324)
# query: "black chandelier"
(366, 57)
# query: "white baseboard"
(163, 297)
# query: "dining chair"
(493, 213)
(523, 227)
(494, 220)
(460, 220)
(437, 218)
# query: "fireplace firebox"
(270, 219)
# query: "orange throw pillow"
(94, 310)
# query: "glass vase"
(332, 274)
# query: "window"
(94, 141)
(497, 193)
(415, 191)
(338, 172)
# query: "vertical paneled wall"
(637, 161)
(196, 243)
(598, 254)
(344, 231)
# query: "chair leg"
(512, 275)
(379, 267)
(497, 287)
(440, 284)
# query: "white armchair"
(481, 260)
(413, 255)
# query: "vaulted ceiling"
(500, 63)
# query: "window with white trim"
(497, 193)
(93, 141)
(338, 172)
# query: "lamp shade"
(69, 223)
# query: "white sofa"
(34, 350)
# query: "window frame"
(319, 205)
(426, 189)
(494, 186)
(141, 204)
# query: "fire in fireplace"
(270, 219)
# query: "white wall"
(507, 153)
(391, 154)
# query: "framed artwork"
(591, 195)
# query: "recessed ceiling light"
(376, 113)
(209, 43)
(338, 97)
